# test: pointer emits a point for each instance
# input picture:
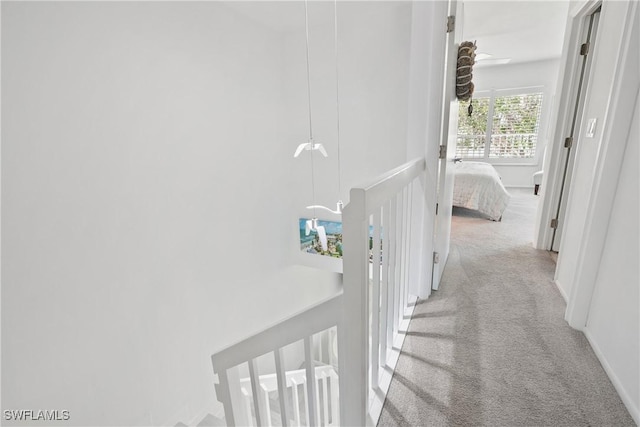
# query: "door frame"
(614, 125)
(553, 165)
(615, 128)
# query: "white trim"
(584, 7)
(561, 290)
(553, 164)
(616, 124)
(631, 406)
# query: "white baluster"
(246, 404)
(333, 336)
(311, 388)
(325, 398)
(282, 387)
(393, 222)
(384, 289)
(253, 374)
(403, 241)
(296, 401)
(266, 405)
(335, 399)
(375, 302)
(241, 416)
(403, 256)
(398, 263)
(224, 396)
(408, 244)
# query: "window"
(472, 130)
(509, 122)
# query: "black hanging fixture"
(464, 73)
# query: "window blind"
(512, 129)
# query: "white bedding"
(478, 187)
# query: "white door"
(449, 134)
(573, 130)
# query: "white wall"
(149, 191)
(129, 205)
(598, 261)
(613, 326)
(539, 73)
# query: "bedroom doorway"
(519, 58)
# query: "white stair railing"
(300, 327)
(378, 304)
(327, 398)
(371, 316)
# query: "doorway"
(519, 51)
(575, 124)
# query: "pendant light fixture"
(311, 145)
(339, 204)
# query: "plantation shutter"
(514, 131)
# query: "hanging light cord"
(306, 26)
(335, 42)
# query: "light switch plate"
(591, 128)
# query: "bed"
(478, 186)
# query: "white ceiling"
(520, 30)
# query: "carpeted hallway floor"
(491, 347)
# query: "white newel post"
(354, 335)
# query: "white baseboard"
(622, 392)
(564, 295)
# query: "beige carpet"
(491, 347)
